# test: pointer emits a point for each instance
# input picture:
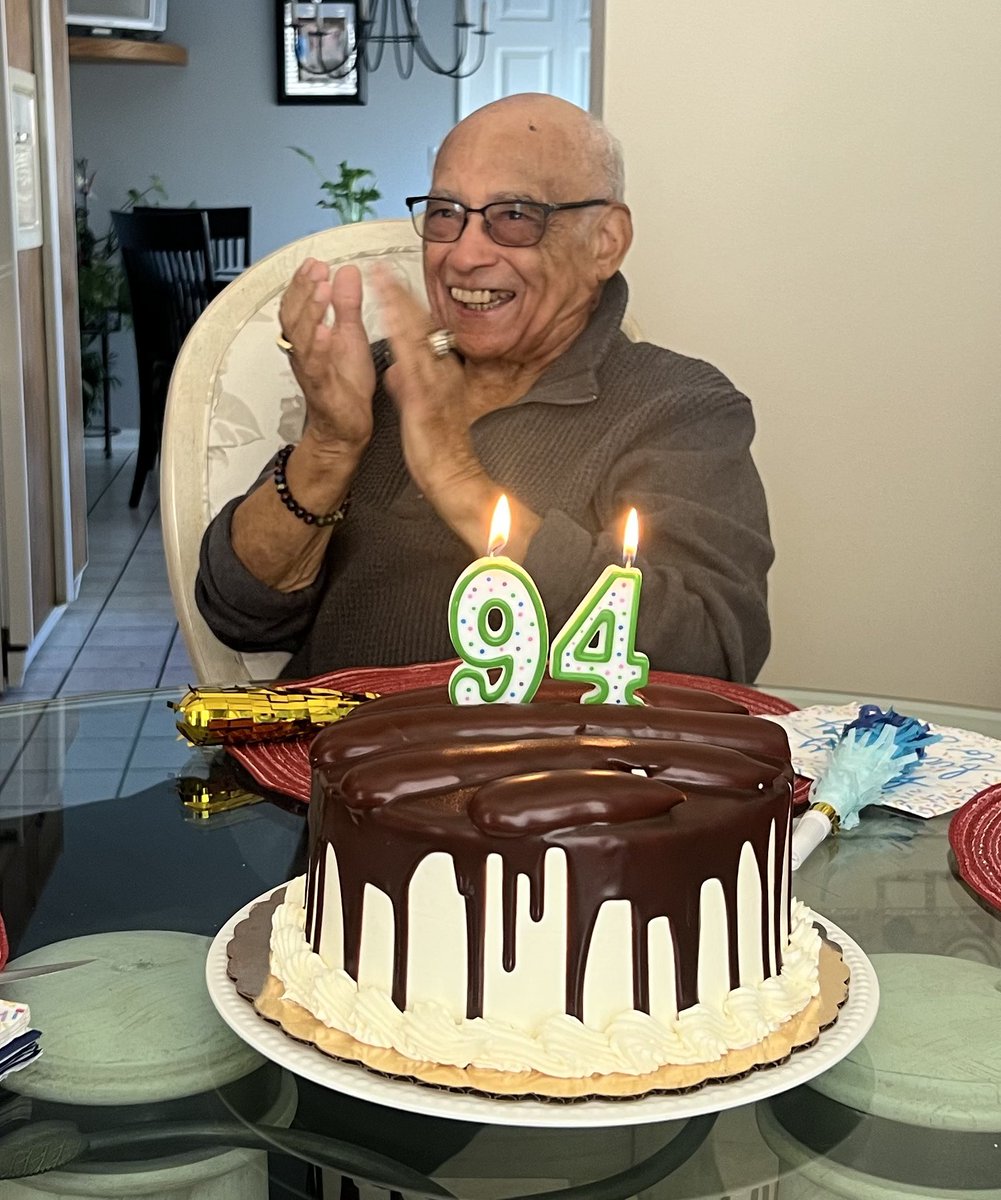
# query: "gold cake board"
(248, 957)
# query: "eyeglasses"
(508, 222)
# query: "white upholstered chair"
(233, 402)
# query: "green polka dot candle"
(498, 626)
(597, 645)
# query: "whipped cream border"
(634, 1043)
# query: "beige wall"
(817, 193)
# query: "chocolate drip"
(783, 834)
(509, 886)
(470, 782)
(732, 909)
(315, 873)
(641, 963)
(352, 901)
(401, 941)
(314, 903)
(769, 911)
(536, 892)
(471, 878)
(476, 924)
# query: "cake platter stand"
(854, 1021)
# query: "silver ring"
(441, 342)
(284, 345)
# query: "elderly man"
(345, 552)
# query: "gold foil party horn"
(227, 716)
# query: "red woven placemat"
(975, 837)
(284, 766)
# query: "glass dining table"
(116, 848)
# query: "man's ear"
(612, 237)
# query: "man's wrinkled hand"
(429, 393)
(332, 364)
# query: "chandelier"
(382, 23)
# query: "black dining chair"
(229, 235)
(168, 263)
(229, 238)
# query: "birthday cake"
(550, 899)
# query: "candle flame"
(630, 543)
(500, 526)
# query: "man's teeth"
(480, 298)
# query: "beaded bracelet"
(296, 509)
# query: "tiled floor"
(120, 634)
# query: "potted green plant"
(103, 294)
(347, 195)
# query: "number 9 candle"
(498, 626)
(598, 644)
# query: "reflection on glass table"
(142, 1090)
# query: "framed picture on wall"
(318, 59)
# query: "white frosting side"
(535, 989)
(532, 990)
(660, 959)
(770, 893)
(714, 965)
(631, 1042)
(437, 918)
(378, 932)
(749, 917)
(608, 991)
(786, 885)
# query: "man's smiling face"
(517, 304)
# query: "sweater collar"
(572, 378)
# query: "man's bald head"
(574, 149)
(546, 168)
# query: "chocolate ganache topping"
(647, 801)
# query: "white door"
(534, 46)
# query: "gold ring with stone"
(441, 342)
(284, 345)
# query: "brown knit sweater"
(609, 425)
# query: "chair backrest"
(233, 402)
(168, 266)
(229, 233)
(229, 236)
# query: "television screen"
(149, 15)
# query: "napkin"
(18, 1041)
(952, 771)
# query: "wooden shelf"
(106, 49)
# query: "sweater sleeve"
(244, 613)
(704, 545)
(241, 611)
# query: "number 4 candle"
(598, 644)
(498, 626)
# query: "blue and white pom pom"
(874, 752)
